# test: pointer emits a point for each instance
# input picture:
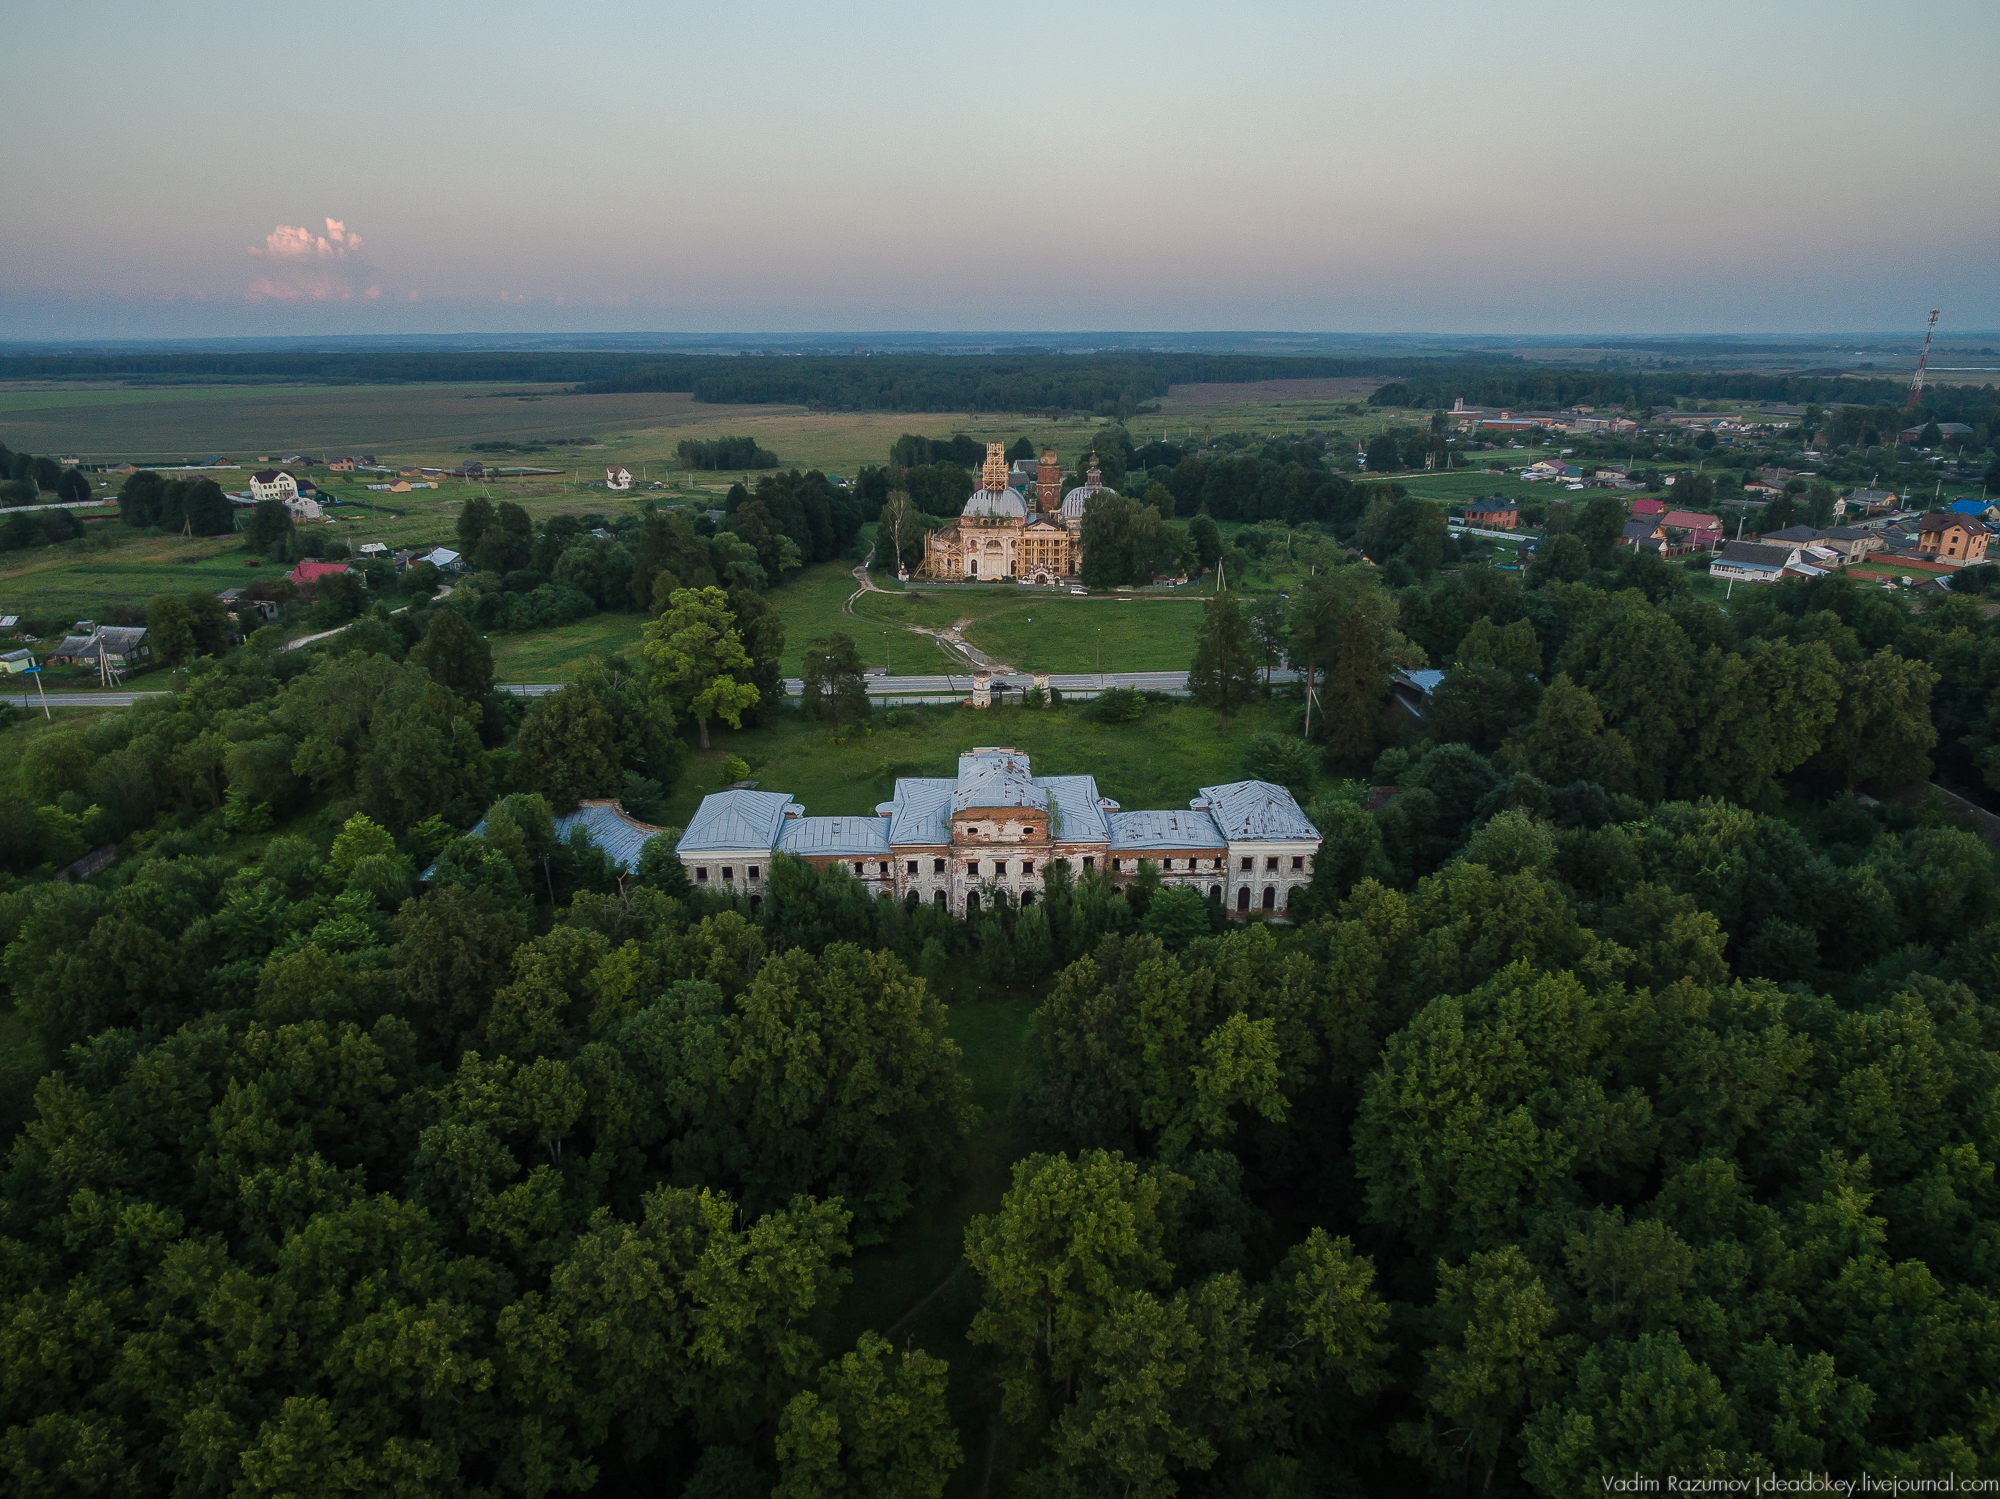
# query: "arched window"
(940, 900)
(1027, 899)
(972, 903)
(755, 902)
(1243, 899)
(1270, 897)
(1215, 892)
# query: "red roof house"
(1690, 520)
(1646, 507)
(308, 572)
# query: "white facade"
(997, 828)
(617, 478)
(274, 484)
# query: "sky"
(229, 169)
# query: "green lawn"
(1160, 761)
(1128, 634)
(548, 655)
(109, 567)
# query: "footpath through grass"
(916, 1289)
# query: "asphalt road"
(942, 686)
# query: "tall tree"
(902, 525)
(875, 1423)
(696, 651)
(1354, 690)
(1068, 1238)
(1223, 675)
(456, 655)
(833, 681)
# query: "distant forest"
(1105, 384)
(1524, 389)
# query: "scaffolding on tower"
(1917, 380)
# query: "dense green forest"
(1619, 1098)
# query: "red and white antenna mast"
(1917, 380)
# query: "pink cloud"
(310, 267)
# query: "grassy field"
(1160, 761)
(109, 566)
(437, 424)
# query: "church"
(994, 829)
(999, 537)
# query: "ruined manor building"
(999, 536)
(997, 827)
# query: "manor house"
(996, 827)
(998, 536)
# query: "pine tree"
(1354, 689)
(1224, 673)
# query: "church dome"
(1073, 502)
(995, 504)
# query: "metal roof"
(1083, 810)
(1000, 779)
(1005, 504)
(1255, 811)
(921, 812)
(1756, 554)
(1426, 680)
(839, 837)
(621, 836)
(1142, 830)
(730, 820)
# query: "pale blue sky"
(1536, 166)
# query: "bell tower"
(1048, 483)
(993, 477)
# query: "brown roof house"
(1951, 538)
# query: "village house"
(1645, 534)
(1950, 434)
(1873, 500)
(341, 466)
(617, 478)
(110, 645)
(1847, 543)
(1496, 516)
(993, 830)
(1951, 539)
(273, 484)
(1648, 506)
(309, 572)
(1753, 562)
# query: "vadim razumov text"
(1808, 1483)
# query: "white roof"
(1143, 830)
(441, 557)
(841, 837)
(1073, 502)
(1000, 779)
(1004, 504)
(1255, 811)
(729, 820)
